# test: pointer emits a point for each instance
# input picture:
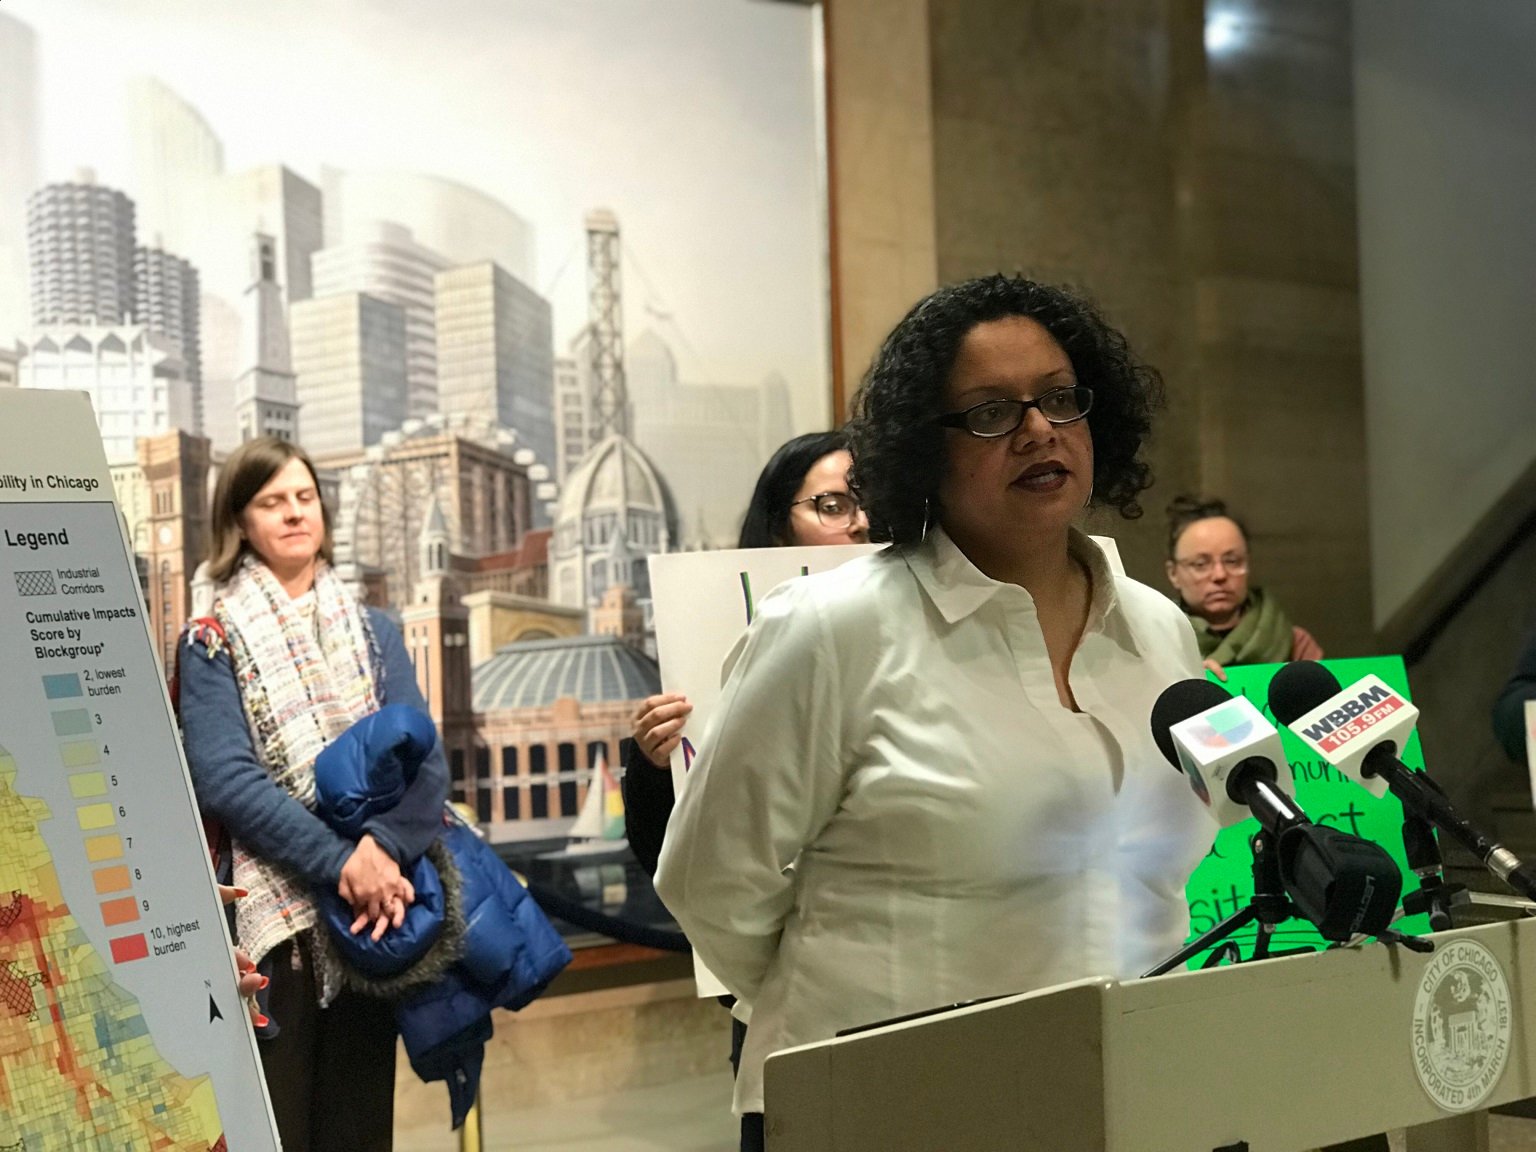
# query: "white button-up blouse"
(892, 729)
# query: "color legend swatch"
(99, 848)
(123, 911)
(93, 816)
(126, 948)
(75, 722)
(83, 785)
(111, 880)
(65, 686)
(80, 753)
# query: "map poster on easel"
(120, 1021)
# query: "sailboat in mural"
(599, 825)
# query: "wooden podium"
(1275, 1056)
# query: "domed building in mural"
(615, 510)
(547, 712)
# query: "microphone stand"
(1270, 906)
(1424, 798)
(1434, 896)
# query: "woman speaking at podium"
(294, 661)
(931, 776)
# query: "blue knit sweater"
(232, 785)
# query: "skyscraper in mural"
(166, 299)
(277, 202)
(80, 253)
(495, 353)
(87, 291)
(266, 399)
(463, 225)
(177, 161)
(163, 496)
(349, 357)
(387, 263)
(468, 468)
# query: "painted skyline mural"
(540, 284)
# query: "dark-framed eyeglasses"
(1204, 565)
(833, 509)
(992, 418)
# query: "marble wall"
(880, 137)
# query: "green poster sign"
(1223, 882)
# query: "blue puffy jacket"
(506, 951)
(357, 777)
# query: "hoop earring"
(1088, 503)
(927, 515)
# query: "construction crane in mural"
(605, 347)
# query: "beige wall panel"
(1055, 151)
(882, 171)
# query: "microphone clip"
(1412, 943)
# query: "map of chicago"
(78, 1068)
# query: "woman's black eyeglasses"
(834, 509)
(992, 418)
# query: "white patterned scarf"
(303, 682)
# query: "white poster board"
(1530, 746)
(703, 601)
(109, 919)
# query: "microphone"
(1228, 752)
(1343, 884)
(1358, 731)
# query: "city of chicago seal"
(1461, 1025)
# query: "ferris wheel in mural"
(460, 483)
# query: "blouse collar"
(958, 588)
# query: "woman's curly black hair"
(899, 449)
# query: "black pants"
(752, 1132)
(330, 1071)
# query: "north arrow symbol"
(213, 1011)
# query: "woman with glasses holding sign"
(931, 777)
(1208, 568)
(802, 498)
